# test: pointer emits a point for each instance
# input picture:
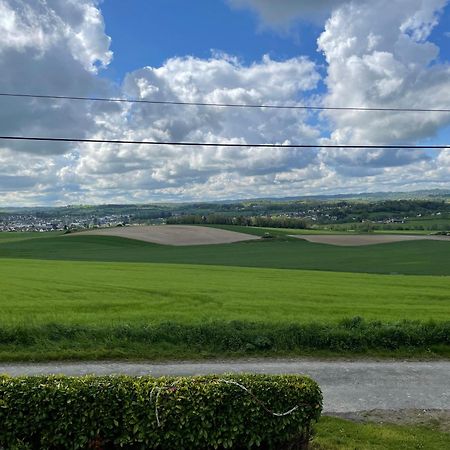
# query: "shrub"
(218, 338)
(241, 411)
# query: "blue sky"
(147, 32)
(381, 53)
(150, 32)
(161, 29)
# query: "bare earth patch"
(173, 234)
(365, 239)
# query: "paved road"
(347, 386)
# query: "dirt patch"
(431, 418)
(363, 239)
(173, 234)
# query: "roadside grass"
(338, 434)
(173, 341)
(411, 258)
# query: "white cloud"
(51, 47)
(383, 63)
(41, 26)
(47, 47)
(59, 46)
(219, 79)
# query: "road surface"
(347, 385)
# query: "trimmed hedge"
(238, 412)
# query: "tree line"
(250, 221)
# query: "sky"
(364, 53)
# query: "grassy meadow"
(98, 297)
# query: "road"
(347, 385)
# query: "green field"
(411, 258)
(100, 297)
(79, 309)
(38, 292)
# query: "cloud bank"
(60, 47)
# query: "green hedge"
(218, 338)
(166, 413)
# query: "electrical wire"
(227, 105)
(221, 144)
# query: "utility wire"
(227, 105)
(220, 144)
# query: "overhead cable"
(227, 105)
(222, 144)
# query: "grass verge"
(337, 434)
(218, 339)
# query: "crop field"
(199, 235)
(368, 239)
(175, 234)
(86, 296)
(94, 293)
(409, 258)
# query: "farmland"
(87, 296)
(96, 293)
(408, 258)
(174, 235)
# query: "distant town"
(31, 223)
(352, 214)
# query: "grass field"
(76, 309)
(338, 434)
(412, 258)
(107, 297)
(91, 293)
(348, 228)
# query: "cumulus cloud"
(60, 46)
(221, 79)
(52, 47)
(383, 63)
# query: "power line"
(226, 105)
(220, 144)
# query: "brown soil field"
(365, 239)
(173, 234)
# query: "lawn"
(412, 258)
(338, 434)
